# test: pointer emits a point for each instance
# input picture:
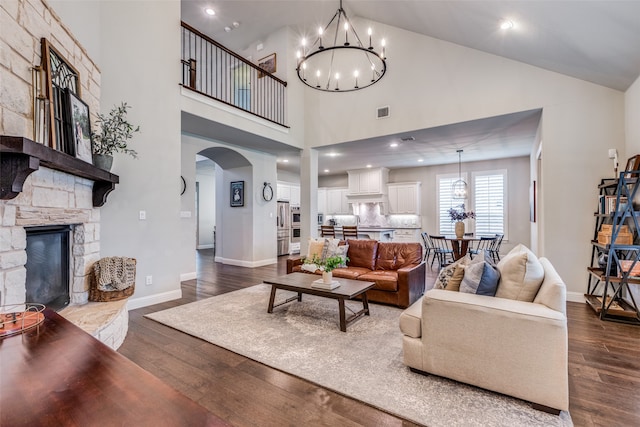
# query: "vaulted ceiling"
(597, 41)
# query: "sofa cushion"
(386, 280)
(446, 273)
(362, 253)
(454, 282)
(480, 278)
(341, 251)
(330, 248)
(350, 272)
(411, 320)
(521, 275)
(315, 248)
(553, 292)
(392, 256)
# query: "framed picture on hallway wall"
(237, 194)
(268, 63)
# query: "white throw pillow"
(521, 275)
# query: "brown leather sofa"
(396, 268)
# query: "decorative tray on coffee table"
(17, 318)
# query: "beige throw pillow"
(315, 248)
(456, 279)
(521, 275)
(447, 272)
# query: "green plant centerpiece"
(114, 133)
(327, 265)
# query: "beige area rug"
(365, 363)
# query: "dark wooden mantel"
(19, 157)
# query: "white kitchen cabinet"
(289, 192)
(322, 200)
(404, 198)
(337, 203)
(295, 195)
(405, 235)
(284, 191)
(368, 181)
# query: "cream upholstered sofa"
(513, 347)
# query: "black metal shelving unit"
(608, 287)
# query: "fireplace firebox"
(48, 254)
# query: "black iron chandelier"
(337, 61)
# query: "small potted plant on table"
(327, 265)
(458, 216)
(115, 131)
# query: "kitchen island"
(382, 234)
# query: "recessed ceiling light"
(326, 171)
(420, 160)
(210, 11)
(369, 166)
(332, 154)
(285, 161)
(393, 144)
(236, 24)
(506, 24)
(227, 29)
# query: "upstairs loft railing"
(215, 71)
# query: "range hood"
(368, 198)
(379, 199)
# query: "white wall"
(133, 48)
(206, 178)
(245, 235)
(83, 19)
(632, 146)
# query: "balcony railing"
(215, 71)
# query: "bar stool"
(349, 231)
(327, 231)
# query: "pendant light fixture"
(338, 61)
(459, 187)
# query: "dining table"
(460, 246)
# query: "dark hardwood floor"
(604, 366)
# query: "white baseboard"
(244, 263)
(134, 303)
(188, 276)
(209, 246)
(575, 296)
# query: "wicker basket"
(97, 295)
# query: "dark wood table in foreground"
(58, 375)
(301, 283)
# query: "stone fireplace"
(49, 197)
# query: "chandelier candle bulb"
(320, 38)
(369, 31)
(318, 78)
(346, 34)
(355, 74)
(383, 55)
(337, 78)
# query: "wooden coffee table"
(301, 283)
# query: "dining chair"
(442, 250)
(428, 246)
(349, 231)
(485, 243)
(327, 231)
(495, 249)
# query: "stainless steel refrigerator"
(284, 228)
